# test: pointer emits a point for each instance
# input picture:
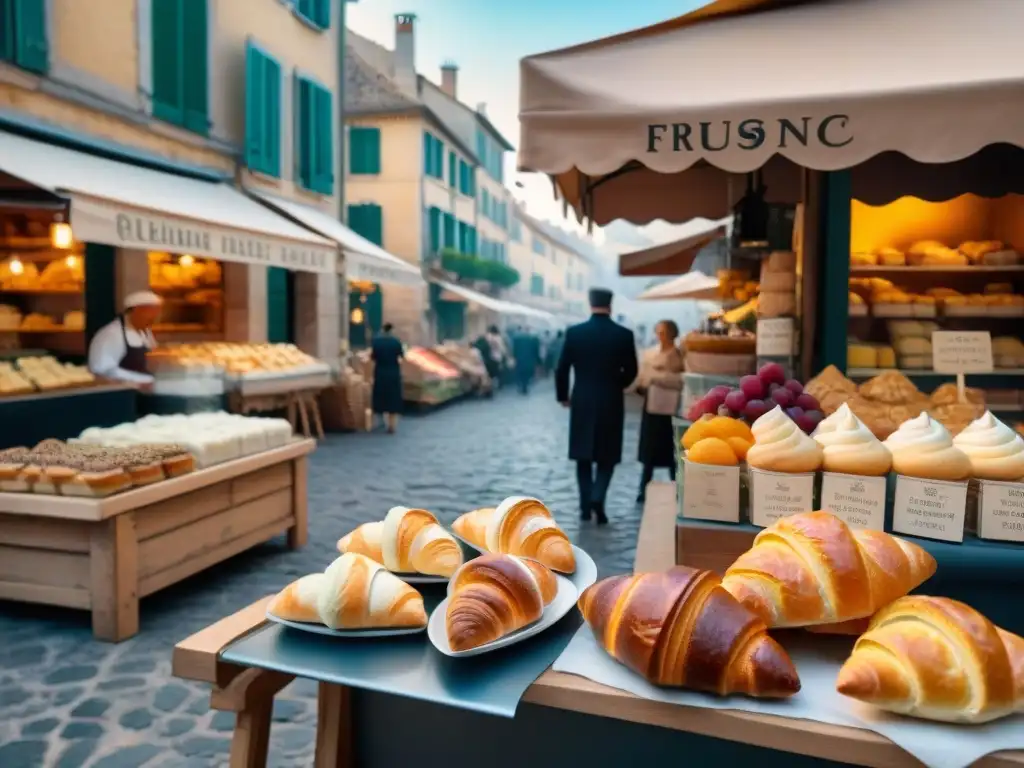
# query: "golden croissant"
(681, 629)
(519, 526)
(494, 595)
(297, 601)
(358, 593)
(811, 568)
(406, 541)
(937, 659)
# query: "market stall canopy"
(693, 285)
(364, 260)
(133, 207)
(676, 257)
(461, 293)
(738, 86)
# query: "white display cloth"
(817, 660)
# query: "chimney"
(450, 79)
(481, 108)
(405, 53)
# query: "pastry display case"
(468, 361)
(42, 297)
(429, 379)
(28, 374)
(192, 290)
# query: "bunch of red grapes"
(757, 395)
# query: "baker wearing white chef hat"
(118, 350)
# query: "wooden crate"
(104, 554)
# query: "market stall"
(428, 378)
(122, 512)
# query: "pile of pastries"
(932, 253)
(169, 272)
(736, 285)
(889, 300)
(42, 374)
(236, 358)
(927, 657)
(10, 318)
(778, 285)
(212, 438)
(54, 467)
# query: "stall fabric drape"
(822, 85)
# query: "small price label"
(860, 501)
(962, 351)
(775, 337)
(774, 495)
(933, 509)
(1001, 511)
(711, 492)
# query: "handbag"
(662, 401)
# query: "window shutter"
(449, 231)
(255, 108)
(7, 30)
(434, 218)
(195, 65)
(324, 122)
(303, 109)
(453, 165)
(322, 13)
(168, 100)
(428, 152)
(375, 223)
(272, 117)
(439, 159)
(364, 150)
(30, 46)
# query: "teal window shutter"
(315, 136)
(450, 240)
(367, 220)
(7, 49)
(453, 169)
(30, 49)
(317, 12)
(324, 123)
(439, 159)
(195, 66)
(279, 311)
(434, 219)
(364, 150)
(262, 112)
(168, 86)
(428, 152)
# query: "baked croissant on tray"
(519, 526)
(936, 659)
(681, 629)
(494, 595)
(812, 568)
(406, 541)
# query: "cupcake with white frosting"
(849, 447)
(923, 448)
(995, 451)
(781, 446)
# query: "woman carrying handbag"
(661, 383)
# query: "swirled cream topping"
(781, 446)
(849, 446)
(996, 452)
(922, 447)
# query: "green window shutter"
(428, 152)
(7, 30)
(439, 159)
(364, 150)
(195, 66)
(449, 231)
(472, 241)
(272, 118)
(279, 314)
(262, 112)
(315, 136)
(168, 93)
(317, 12)
(453, 169)
(367, 220)
(30, 46)
(324, 124)
(434, 219)
(304, 139)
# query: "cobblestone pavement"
(68, 701)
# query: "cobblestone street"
(68, 701)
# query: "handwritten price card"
(859, 501)
(1001, 511)
(962, 351)
(775, 337)
(934, 509)
(774, 495)
(711, 492)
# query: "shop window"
(315, 140)
(451, 320)
(367, 220)
(192, 290)
(363, 150)
(369, 300)
(262, 112)
(316, 12)
(23, 34)
(280, 318)
(434, 222)
(537, 284)
(180, 63)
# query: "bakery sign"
(98, 223)
(749, 134)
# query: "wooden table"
(250, 692)
(102, 555)
(302, 408)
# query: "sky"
(487, 38)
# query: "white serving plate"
(421, 578)
(563, 602)
(584, 575)
(322, 629)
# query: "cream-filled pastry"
(850, 447)
(924, 448)
(995, 451)
(781, 446)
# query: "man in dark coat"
(524, 350)
(602, 357)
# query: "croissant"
(358, 593)
(297, 601)
(811, 568)
(494, 595)
(680, 628)
(937, 659)
(519, 526)
(407, 541)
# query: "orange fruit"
(739, 446)
(712, 450)
(697, 431)
(724, 427)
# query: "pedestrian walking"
(499, 354)
(661, 383)
(600, 355)
(524, 350)
(554, 350)
(387, 355)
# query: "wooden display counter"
(102, 555)
(554, 725)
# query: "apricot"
(697, 431)
(724, 427)
(739, 446)
(712, 450)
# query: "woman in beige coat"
(661, 383)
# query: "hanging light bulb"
(71, 261)
(61, 236)
(187, 260)
(357, 316)
(16, 266)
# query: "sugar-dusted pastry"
(781, 446)
(995, 451)
(406, 541)
(936, 659)
(923, 448)
(358, 593)
(298, 601)
(849, 447)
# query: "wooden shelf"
(982, 268)
(865, 373)
(42, 292)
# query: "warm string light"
(357, 316)
(16, 266)
(61, 236)
(71, 261)
(187, 260)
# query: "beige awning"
(693, 285)
(823, 84)
(674, 258)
